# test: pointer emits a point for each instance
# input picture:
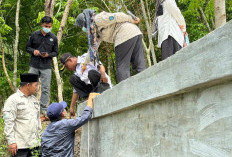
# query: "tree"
(16, 44)
(55, 63)
(220, 12)
(151, 44)
(4, 66)
(49, 7)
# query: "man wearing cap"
(120, 29)
(58, 137)
(42, 46)
(87, 81)
(21, 114)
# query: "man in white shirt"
(21, 114)
(84, 81)
(171, 28)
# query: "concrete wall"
(181, 107)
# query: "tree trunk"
(4, 67)
(149, 33)
(220, 13)
(147, 51)
(204, 19)
(108, 64)
(16, 44)
(49, 7)
(59, 36)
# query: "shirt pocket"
(37, 109)
(22, 112)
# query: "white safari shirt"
(22, 120)
(90, 66)
(168, 23)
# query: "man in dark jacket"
(58, 137)
(42, 46)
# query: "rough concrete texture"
(181, 107)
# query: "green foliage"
(3, 142)
(4, 28)
(75, 41)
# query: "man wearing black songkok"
(21, 115)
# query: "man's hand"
(36, 52)
(182, 28)
(13, 149)
(72, 112)
(136, 21)
(44, 55)
(103, 73)
(90, 99)
(102, 69)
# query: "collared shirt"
(22, 120)
(168, 23)
(90, 66)
(47, 43)
(115, 27)
(58, 137)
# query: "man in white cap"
(21, 115)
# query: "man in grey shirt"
(58, 137)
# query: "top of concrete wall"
(202, 63)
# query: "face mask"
(46, 30)
(84, 29)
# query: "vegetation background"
(199, 16)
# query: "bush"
(3, 141)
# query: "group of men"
(22, 109)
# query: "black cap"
(64, 58)
(80, 20)
(29, 77)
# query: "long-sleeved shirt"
(168, 23)
(90, 66)
(58, 137)
(115, 27)
(21, 115)
(47, 43)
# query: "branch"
(4, 67)
(59, 7)
(204, 19)
(148, 13)
(16, 45)
(149, 32)
(55, 62)
(106, 5)
(213, 24)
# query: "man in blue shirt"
(58, 137)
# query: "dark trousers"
(28, 152)
(131, 51)
(169, 47)
(83, 89)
